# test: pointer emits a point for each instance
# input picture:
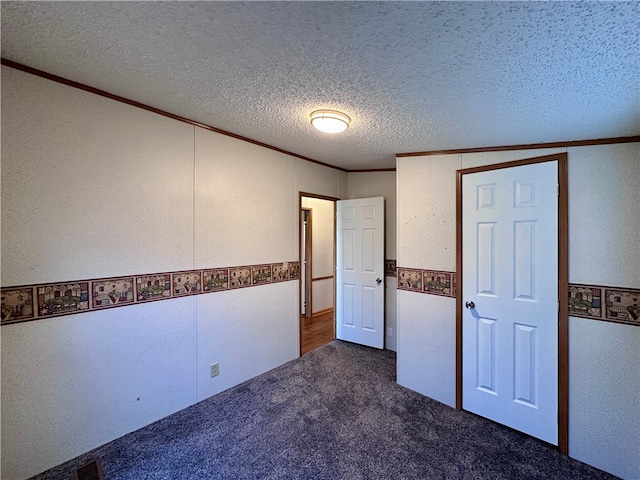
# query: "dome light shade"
(330, 121)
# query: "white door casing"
(360, 271)
(510, 283)
(305, 262)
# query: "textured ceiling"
(413, 76)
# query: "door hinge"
(557, 189)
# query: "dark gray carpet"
(335, 413)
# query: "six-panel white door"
(360, 271)
(510, 290)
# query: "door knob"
(378, 280)
(470, 305)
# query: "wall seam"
(196, 385)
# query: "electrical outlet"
(214, 369)
(389, 332)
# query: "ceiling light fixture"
(330, 121)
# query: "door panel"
(347, 305)
(359, 271)
(486, 258)
(523, 266)
(486, 361)
(510, 274)
(348, 249)
(525, 364)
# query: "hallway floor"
(316, 331)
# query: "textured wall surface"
(427, 212)
(604, 228)
(604, 220)
(72, 383)
(426, 345)
(79, 190)
(245, 207)
(94, 188)
(604, 393)
(426, 239)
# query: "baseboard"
(322, 312)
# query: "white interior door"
(360, 271)
(510, 290)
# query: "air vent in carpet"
(90, 471)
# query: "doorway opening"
(317, 270)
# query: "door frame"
(563, 285)
(309, 313)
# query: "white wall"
(72, 383)
(604, 227)
(314, 178)
(94, 188)
(378, 184)
(426, 240)
(604, 358)
(70, 174)
(382, 184)
(604, 193)
(245, 213)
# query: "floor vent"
(90, 471)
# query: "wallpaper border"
(597, 302)
(433, 282)
(611, 304)
(48, 300)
